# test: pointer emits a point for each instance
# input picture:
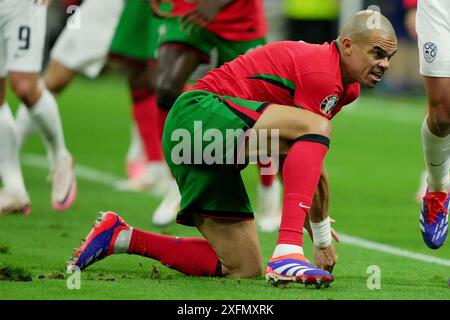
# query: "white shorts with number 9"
(22, 36)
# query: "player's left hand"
(203, 14)
(325, 258)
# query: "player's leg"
(269, 202)
(230, 248)
(269, 188)
(433, 30)
(436, 147)
(304, 138)
(180, 53)
(13, 195)
(25, 57)
(135, 44)
(57, 76)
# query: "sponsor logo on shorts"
(328, 104)
(233, 147)
(430, 51)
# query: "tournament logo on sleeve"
(430, 51)
(328, 104)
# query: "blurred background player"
(22, 37)
(135, 45)
(311, 20)
(191, 33)
(83, 45)
(433, 30)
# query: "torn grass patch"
(13, 273)
(4, 248)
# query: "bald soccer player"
(293, 87)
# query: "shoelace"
(434, 204)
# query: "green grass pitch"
(374, 165)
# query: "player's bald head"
(370, 26)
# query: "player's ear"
(347, 45)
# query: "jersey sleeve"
(317, 92)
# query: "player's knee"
(244, 270)
(25, 88)
(439, 115)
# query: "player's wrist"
(321, 233)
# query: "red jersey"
(287, 73)
(409, 4)
(241, 20)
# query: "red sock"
(191, 256)
(162, 115)
(266, 179)
(301, 174)
(146, 117)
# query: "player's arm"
(410, 17)
(318, 225)
(205, 12)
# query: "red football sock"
(162, 115)
(266, 179)
(191, 256)
(301, 174)
(146, 116)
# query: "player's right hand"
(325, 258)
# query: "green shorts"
(203, 41)
(203, 135)
(137, 33)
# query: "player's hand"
(155, 5)
(203, 14)
(325, 258)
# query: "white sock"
(24, 124)
(283, 249)
(437, 152)
(10, 170)
(158, 169)
(123, 241)
(135, 151)
(45, 115)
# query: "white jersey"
(433, 29)
(83, 45)
(22, 36)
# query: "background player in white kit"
(22, 36)
(83, 48)
(433, 30)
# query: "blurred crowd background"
(315, 21)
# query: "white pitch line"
(366, 244)
(83, 172)
(109, 180)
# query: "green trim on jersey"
(204, 41)
(283, 83)
(216, 189)
(137, 34)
